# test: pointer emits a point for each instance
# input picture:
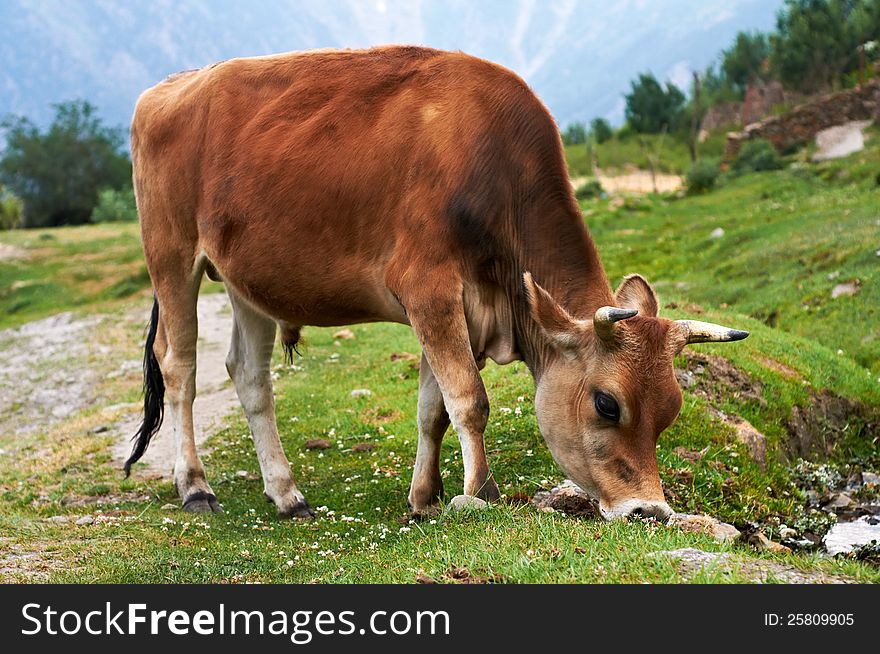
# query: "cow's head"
(602, 402)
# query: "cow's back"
(310, 179)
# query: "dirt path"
(215, 396)
(51, 369)
(44, 377)
(635, 182)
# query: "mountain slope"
(578, 56)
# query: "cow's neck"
(559, 252)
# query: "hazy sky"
(578, 55)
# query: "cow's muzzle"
(635, 508)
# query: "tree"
(650, 108)
(814, 43)
(745, 59)
(57, 173)
(600, 129)
(575, 134)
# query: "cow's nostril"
(638, 512)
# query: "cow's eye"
(607, 406)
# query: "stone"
(870, 478)
(841, 140)
(60, 519)
(755, 441)
(168, 507)
(568, 498)
(317, 444)
(465, 503)
(722, 532)
(344, 334)
(760, 542)
(85, 520)
(361, 392)
(718, 232)
(838, 501)
(846, 289)
(685, 378)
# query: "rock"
(689, 455)
(569, 498)
(363, 447)
(344, 334)
(169, 507)
(787, 532)
(847, 289)
(361, 392)
(85, 520)
(869, 478)
(755, 441)
(838, 501)
(465, 503)
(840, 140)
(691, 561)
(317, 444)
(718, 232)
(100, 429)
(685, 378)
(60, 519)
(760, 542)
(704, 524)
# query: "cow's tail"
(154, 394)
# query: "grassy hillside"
(617, 154)
(784, 234)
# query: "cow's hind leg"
(248, 363)
(427, 486)
(175, 349)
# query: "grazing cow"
(395, 184)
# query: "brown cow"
(395, 184)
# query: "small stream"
(844, 536)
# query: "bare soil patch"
(215, 395)
(814, 430)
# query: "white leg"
(427, 485)
(248, 363)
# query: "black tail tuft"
(154, 395)
(290, 339)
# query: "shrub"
(601, 130)
(702, 176)
(757, 155)
(115, 205)
(10, 211)
(589, 189)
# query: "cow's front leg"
(427, 487)
(442, 330)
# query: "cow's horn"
(707, 332)
(605, 317)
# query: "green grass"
(618, 154)
(69, 268)
(784, 233)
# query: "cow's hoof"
(489, 491)
(426, 512)
(202, 502)
(300, 510)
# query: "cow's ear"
(565, 332)
(636, 293)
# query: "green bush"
(757, 155)
(115, 205)
(702, 176)
(589, 189)
(10, 211)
